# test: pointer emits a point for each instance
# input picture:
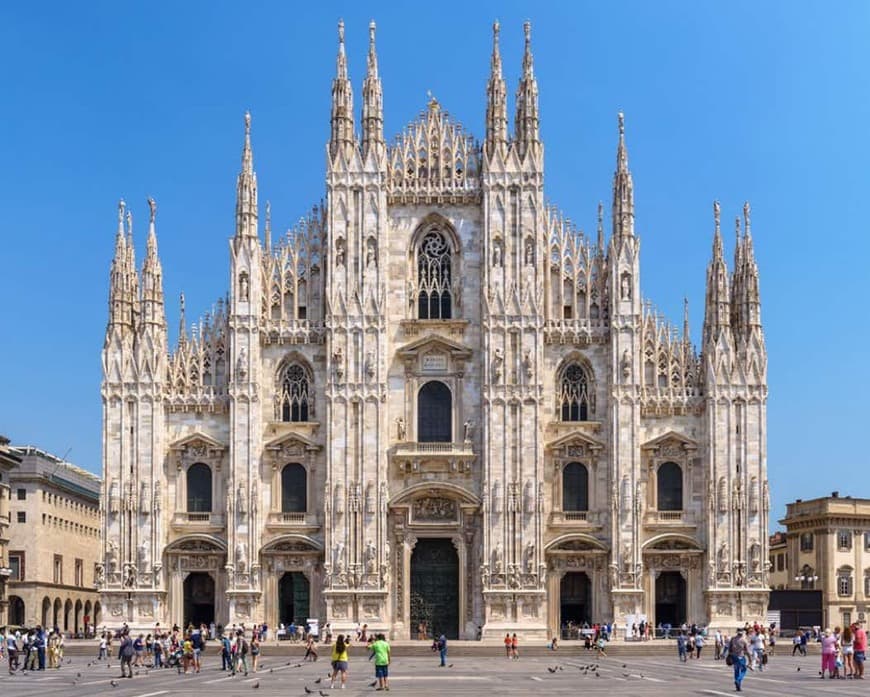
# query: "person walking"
(125, 653)
(699, 644)
(515, 647)
(758, 650)
(737, 652)
(681, 647)
(442, 649)
(12, 651)
(717, 645)
(859, 644)
(381, 653)
(829, 654)
(226, 653)
(339, 660)
(255, 651)
(310, 650)
(40, 646)
(507, 646)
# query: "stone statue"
(530, 254)
(241, 556)
(370, 364)
(626, 365)
(338, 554)
(143, 552)
(371, 558)
(755, 554)
(467, 431)
(529, 558)
(338, 362)
(339, 254)
(400, 429)
(497, 363)
(244, 290)
(152, 206)
(722, 558)
(242, 365)
(241, 500)
(498, 559)
(527, 364)
(496, 255)
(625, 287)
(371, 261)
(112, 556)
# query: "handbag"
(764, 659)
(729, 660)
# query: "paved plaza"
(283, 675)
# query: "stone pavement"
(646, 676)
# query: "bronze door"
(435, 588)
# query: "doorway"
(575, 599)
(670, 598)
(435, 589)
(293, 598)
(199, 599)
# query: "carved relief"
(434, 508)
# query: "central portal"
(671, 598)
(435, 589)
(198, 599)
(293, 599)
(575, 599)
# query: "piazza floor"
(638, 676)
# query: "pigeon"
(271, 670)
(69, 660)
(78, 675)
(798, 669)
(114, 683)
(255, 685)
(323, 694)
(307, 691)
(317, 682)
(561, 668)
(372, 684)
(626, 675)
(625, 665)
(450, 666)
(552, 670)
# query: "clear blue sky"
(732, 100)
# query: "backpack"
(244, 647)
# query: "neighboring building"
(434, 400)
(54, 545)
(778, 547)
(828, 548)
(8, 461)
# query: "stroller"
(173, 660)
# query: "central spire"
(496, 99)
(623, 188)
(373, 100)
(341, 135)
(246, 189)
(526, 122)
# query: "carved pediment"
(198, 545)
(434, 345)
(576, 543)
(292, 543)
(198, 447)
(671, 543)
(291, 445)
(671, 443)
(575, 444)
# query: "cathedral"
(434, 404)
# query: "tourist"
(226, 652)
(859, 644)
(126, 653)
(699, 644)
(255, 651)
(515, 647)
(157, 651)
(759, 644)
(442, 649)
(682, 647)
(187, 652)
(242, 650)
(600, 648)
(507, 646)
(197, 640)
(339, 660)
(717, 645)
(554, 645)
(381, 653)
(737, 651)
(829, 654)
(12, 651)
(847, 643)
(310, 650)
(40, 642)
(138, 649)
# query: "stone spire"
(623, 189)
(373, 100)
(246, 189)
(747, 296)
(341, 135)
(182, 322)
(122, 282)
(132, 274)
(153, 312)
(268, 228)
(496, 100)
(717, 310)
(526, 122)
(600, 232)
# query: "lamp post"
(806, 580)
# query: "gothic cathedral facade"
(434, 404)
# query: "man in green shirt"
(381, 653)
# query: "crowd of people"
(28, 650)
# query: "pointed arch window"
(295, 398)
(434, 275)
(575, 487)
(199, 488)
(294, 489)
(669, 480)
(573, 397)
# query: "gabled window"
(294, 489)
(669, 480)
(434, 413)
(199, 488)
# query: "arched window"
(199, 488)
(670, 487)
(434, 272)
(294, 489)
(574, 394)
(434, 413)
(295, 395)
(575, 487)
